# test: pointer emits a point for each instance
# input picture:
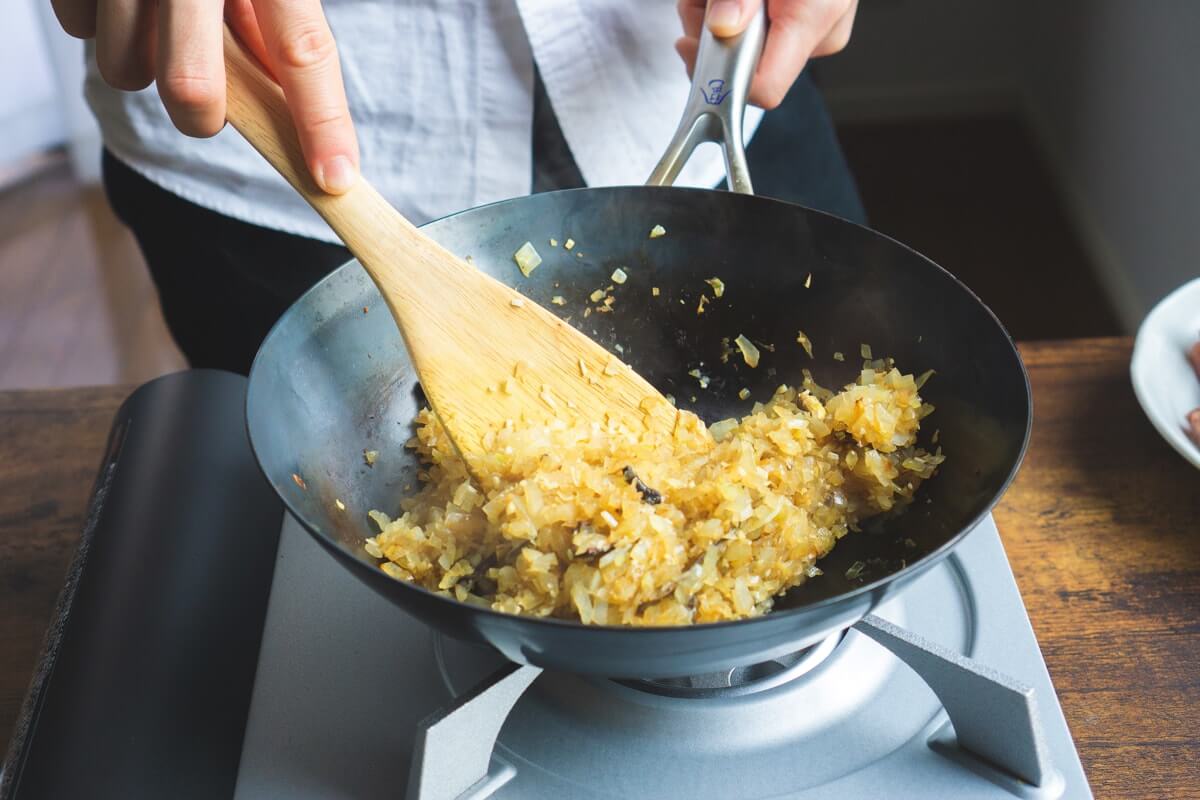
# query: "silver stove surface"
(344, 677)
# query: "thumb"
(730, 17)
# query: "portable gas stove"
(206, 646)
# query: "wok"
(332, 379)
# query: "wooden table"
(1102, 528)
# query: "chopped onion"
(718, 286)
(805, 342)
(569, 243)
(619, 276)
(749, 351)
(527, 258)
(726, 350)
(720, 430)
(657, 231)
(558, 300)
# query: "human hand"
(798, 30)
(178, 43)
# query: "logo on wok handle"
(716, 92)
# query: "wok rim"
(905, 574)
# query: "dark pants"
(223, 283)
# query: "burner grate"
(996, 728)
(741, 681)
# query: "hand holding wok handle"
(717, 103)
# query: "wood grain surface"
(51, 443)
(1102, 528)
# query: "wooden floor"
(76, 304)
(77, 307)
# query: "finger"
(691, 14)
(303, 56)
(730, 17)
(125, 43)
(242, 20)
(796, 29)
(191, 64)
(837, 38)
(77, 17)
(687, 49)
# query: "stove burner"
(741, 681)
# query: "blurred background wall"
(41, 94)
(1113, 93)
(30, 117)
(1109, 91)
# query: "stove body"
(168, 674)
(345, 681)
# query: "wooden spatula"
(483, 353)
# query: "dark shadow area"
(976, 196)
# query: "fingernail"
(336, 175)
(724, 14)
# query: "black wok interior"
(332, 380)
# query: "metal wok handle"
(717, 103)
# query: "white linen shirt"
(441, 94)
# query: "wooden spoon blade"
(517, 361)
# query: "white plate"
(1163, 380)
